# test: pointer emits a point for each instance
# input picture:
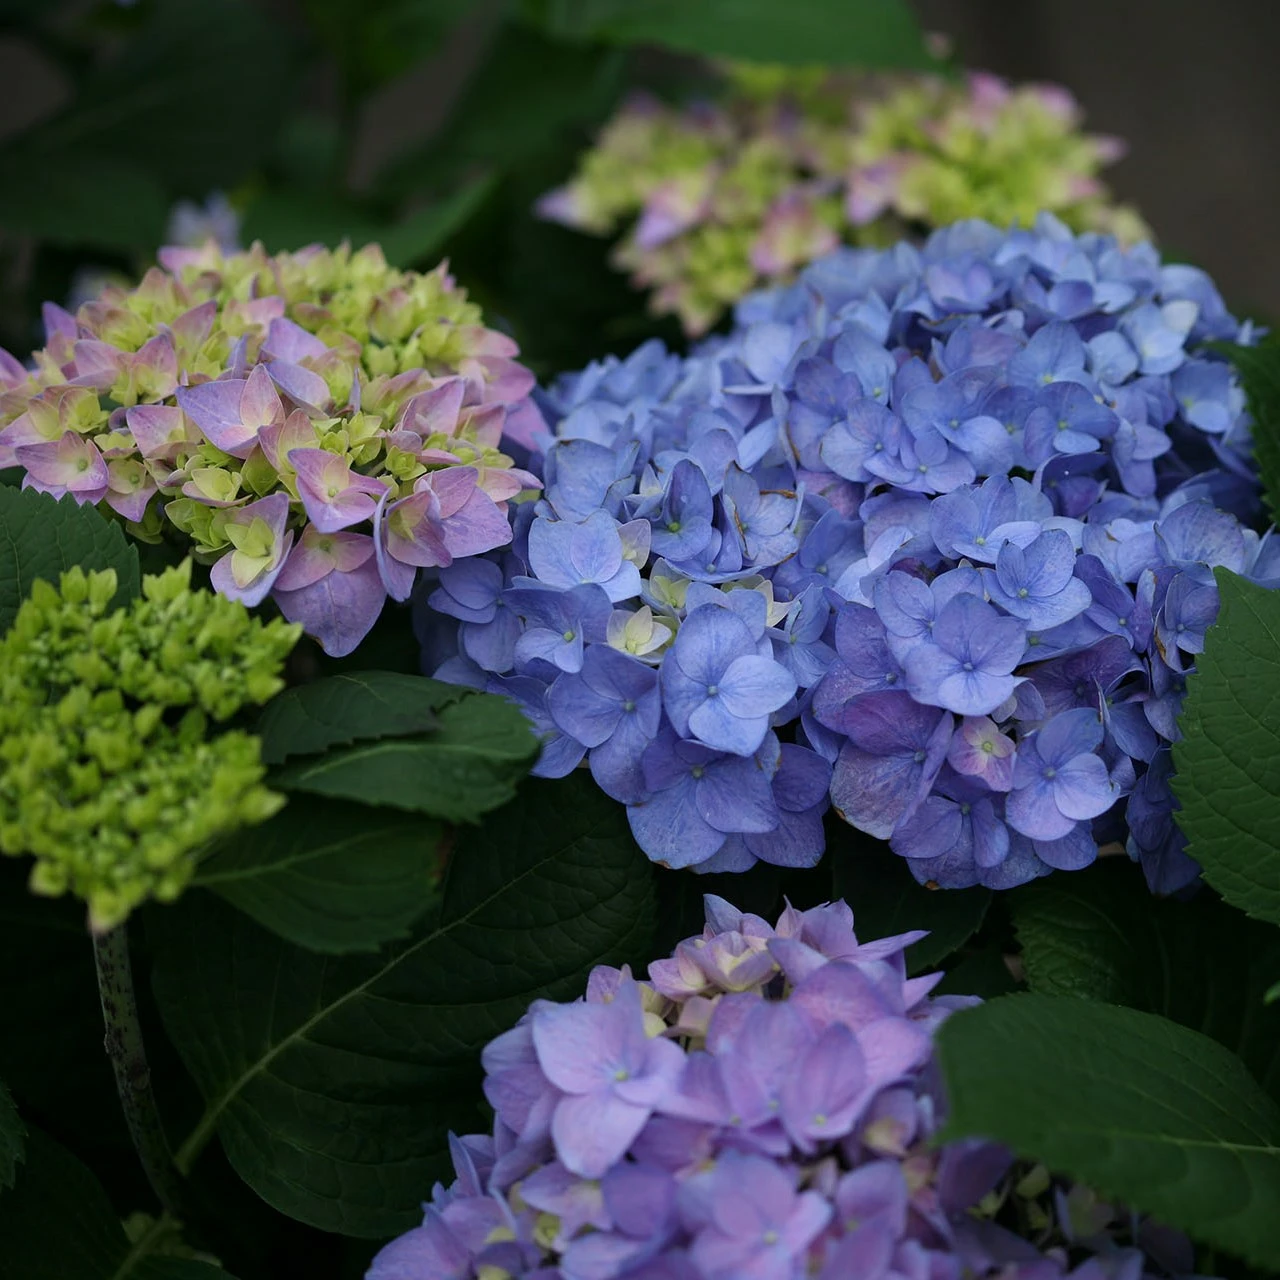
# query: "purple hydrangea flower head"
(766, 1106)
(897, 526)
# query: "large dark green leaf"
(527, 96)
(330, 876)
(79, 199)
(1228, 762)
(310, 718)
(12, 1137)
(1259, 369)
(285, 220)
(863, 33)
(420, 237)
(40, 538)
(169, 101)
(333, 1082)
(886, 899)
(1136, 1106)
(375, 40)
(467, 765)
(58, 1224)
(1101, 935)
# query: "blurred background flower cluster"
(436, 126)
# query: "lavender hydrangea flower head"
(786, 163)
(886, 548)
(763, 1106)
(317, 426)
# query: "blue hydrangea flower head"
(927, 538)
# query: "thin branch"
(124, 1046)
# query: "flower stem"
(124, 1046)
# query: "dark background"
(1193, 88)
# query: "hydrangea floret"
(316, 425)
(115, 772)
(721, 196)
(763, 1106)
(929, 536)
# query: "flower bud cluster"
(317, 425)
(113, 774)
(764, 1106)
(930, 535)
(722, 196)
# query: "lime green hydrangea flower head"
(720, 197)
(269, 410)
(114, 773)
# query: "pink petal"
(132, 506)
(435, 411)
(478, 526)
(306, 389)
(316, 554)
(289, 341)
(319, 473)
(508, 381)
(280, 439)
(215, 409)
(484, 424)
(22, 430)
(158, 355)
(59, 322)
(259, 403)
(96, 364)
(192, 327)
(451, 487)
(338, 609)
(159, 429)
(71, 462)
(527, 427)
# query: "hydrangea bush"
(765, 1105)
(945, 565)
(929, 536)
(723, 195)
(316, 425)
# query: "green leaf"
(887, 900)
(1259, 369)
(164, 102)
(374, 42)
(983, 973)
(1100, 934)
(423, 234)
(1134, 1105)
(333, 1082)
(310, 718)
(12, 1135)
(58, 1224)
(285, 220)
(469, 764)
(862, 33)
(78, 199)
(528, 95)
(330, 876)
(41, 537)
(1228, 762)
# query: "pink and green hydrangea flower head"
(718, 197)
(253, 407)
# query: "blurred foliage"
(429, 125)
